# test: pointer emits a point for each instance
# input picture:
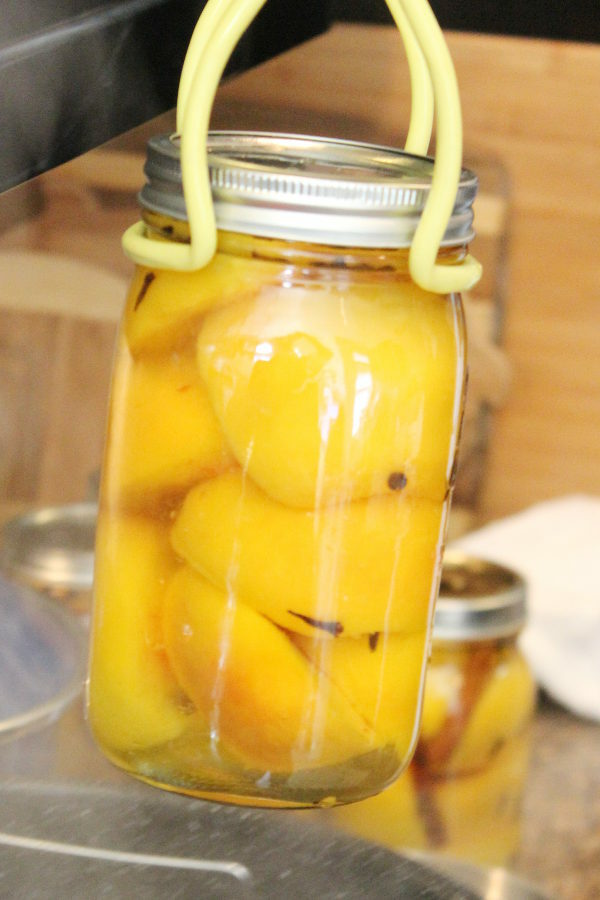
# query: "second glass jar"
(461, 796)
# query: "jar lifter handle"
(433, 79)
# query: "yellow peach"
(353, 569)
(331, 393)
(501, 711)
(480, 810)
(134, 700)
(391, 818)
(443, 687)
(163, 435)
(258, 693)
(473, 817)
(163, 306)
(381, 674)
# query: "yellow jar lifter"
(434, 90)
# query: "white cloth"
(555, 545)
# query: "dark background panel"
(75, 73)
(578, 20)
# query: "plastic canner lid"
(302, 188)
(42, 664)
(478, 600)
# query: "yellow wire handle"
(421, 112)
(219, 28)
(217, 32)
(448, 159)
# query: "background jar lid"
(51, 549)
(319, 190)
(478, 600)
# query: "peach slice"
(349, 569)
(502, 711)
(443, 687)
(473, 817)
(330, 393)
(163, 306)
(134, 700)
(381, 674)
(163, 434)
(391, 818)
(259, 694)
(480, 810)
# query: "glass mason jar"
(279, 464)
(462, 792)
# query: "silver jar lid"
(312, 189)
(478, 600)
(51, 548)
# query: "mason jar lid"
(318, 190)
(51, 548)
(478, 600)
